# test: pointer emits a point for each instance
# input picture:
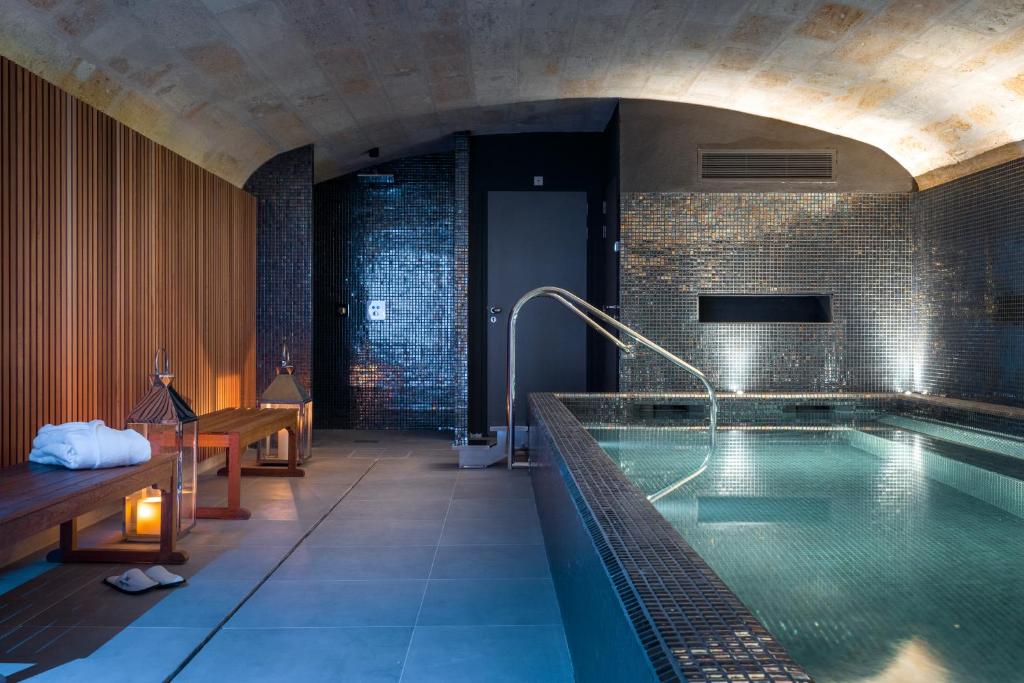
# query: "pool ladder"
(587, 313)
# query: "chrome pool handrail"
(573, 302)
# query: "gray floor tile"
(196, 604)
(488, 654)
(217, 563)
(258, 532)
(493, 488)
(491, 562)
(466, 602)
(471, 508)
(503, 530)
(129, 656)
(343, 606)
(397, 490)
(366, 655)
(288, 604)
(391, 509)
(367, 531)
(357, 562)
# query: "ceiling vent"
(818, 165)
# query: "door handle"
(495, 310)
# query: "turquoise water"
(872, 560)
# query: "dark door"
(535, 239)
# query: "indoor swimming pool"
(882, 550)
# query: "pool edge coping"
(720, 637)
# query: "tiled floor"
(385, 563)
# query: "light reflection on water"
(872, 561)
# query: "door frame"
(569, 162)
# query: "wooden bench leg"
(292, 469)
(70, 552)
(234, 510)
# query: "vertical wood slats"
(111, 246)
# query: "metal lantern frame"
(167, 420)
(286, 391)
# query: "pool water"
(871, 556)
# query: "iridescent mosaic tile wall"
(401, 240)
(968, 286)
(283, 188)
(854, 246)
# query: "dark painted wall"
(659, 143)
(569, 162)
(403, 242)
(968, 286)
(283, 188)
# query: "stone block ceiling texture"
(968, 286)
(231, 83)
(854, 246)
(400, 238)
(283, 188)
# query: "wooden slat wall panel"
(112, 246)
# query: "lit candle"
(147, 516)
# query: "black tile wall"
(396, 233)
(283, 188)
(854, 246)
(968, 286)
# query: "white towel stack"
(88, 446)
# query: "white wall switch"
(538, 181)
(376, 310)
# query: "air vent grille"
(753, 164)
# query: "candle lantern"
(287, 392)
(166, 419)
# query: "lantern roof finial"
(161, 404)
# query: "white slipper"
(132, 582)
(164, 578)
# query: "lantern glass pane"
(306, 433)
(187, 479)
(274, 449)
(181, 440)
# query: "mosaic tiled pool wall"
(397, 236)
(968, 286)
(283, 188)
(682, 409)
(855, 246)
(614, 555)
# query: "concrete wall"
(659, 143)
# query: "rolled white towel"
(51, 434)
(89, 446)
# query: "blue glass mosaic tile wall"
(283, 188)
(968, 286)
(395, 233)
(854, 246)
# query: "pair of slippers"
(135, 581)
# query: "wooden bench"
(234, 429)
(34, 498)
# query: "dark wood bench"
(34, 498)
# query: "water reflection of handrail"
(573, 302)
(693, 475)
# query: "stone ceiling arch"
(936, 84)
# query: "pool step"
(999, 463)
(968, 436)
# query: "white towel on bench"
(88, 446)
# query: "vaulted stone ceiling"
(230, 83)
